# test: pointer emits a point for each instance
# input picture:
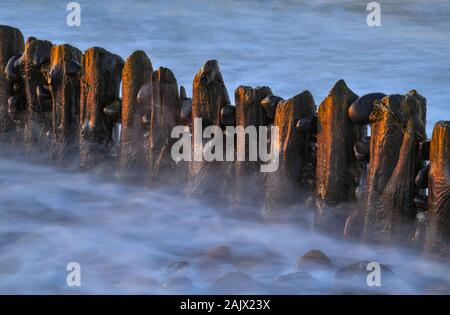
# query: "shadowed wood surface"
(11, 45)
(63, 79)
(209, 97)
(101, 77)
(248, 185)
(398, 127)
(290, 183)
(165, 107)
(209, 94)
(438, 234)
(337, 169)
(38, 123)
(136, 72)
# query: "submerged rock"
(292, 278)
(177, 265)
(441, 288)
(177, 283)
(313, 258)
(221, 252)
(234, 282)
(359, 269)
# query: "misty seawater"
(124, 236)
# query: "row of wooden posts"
(57, 102)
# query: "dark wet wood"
(185, 107)
(398, 127)
(248, 185)
(38, 124)
(210, 95)
(63, 79)
(292, 182)
(337, 170)
(11, 47)
(136, 72)
(165, 115)
(438, 231)
(100, 83)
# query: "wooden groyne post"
(248, 180)
(209, 96)
(100, 79)
(438, 230)
(38, 123)
(11, 100)
(165, 115)
(294, 146)
(136, 73)
(337, 171)
(63, 79)
(398, 128)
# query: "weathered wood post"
(185, 120)
(337, 168)
(398, 127)
(11, 48)
(291, 182)
(100, 83)
(136, 72)
(164, 117)
(38, 124)
(248, 182)
(438, 230)
(209, 94)
(63, 79)
(209, 97)
(359, 113)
